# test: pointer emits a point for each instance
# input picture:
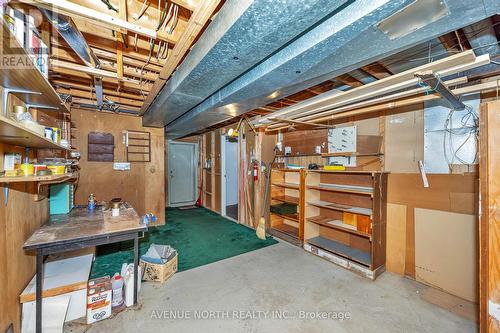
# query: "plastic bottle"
(117, 286)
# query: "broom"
(261, 228)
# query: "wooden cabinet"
(345, 218)
(287, 205)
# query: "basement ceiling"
(343, 41)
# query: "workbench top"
(81, 224)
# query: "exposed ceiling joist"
(91, 95)
(62, 84)
(105, 20)
(199, 18)
(377, 70)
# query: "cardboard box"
(99, 295)
(159, 272)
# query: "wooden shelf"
(13, 133)
(341, 208)
(288, 170)
(323, 221)
(339, 188)
(287, 185)
(26, 77)
(343, 250)
(287, 199)
(291, 217)
(366, 172)
(50, 179)
(351, 154)
(287, 229)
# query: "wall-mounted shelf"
(287, 199)
(27, 76)
(50, 179)
(341, 207)
(342, 189)
(286, 185)
(13, 133)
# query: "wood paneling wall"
(143, 186)
(18, 220)
(489, 231)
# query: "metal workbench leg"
(136, 263)
(39, 286)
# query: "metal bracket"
(434, 82)
(39, 106)
(5, 96)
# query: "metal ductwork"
(70, 33)
(243, 33)
(345, 41)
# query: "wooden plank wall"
(18, 220)
(489, 233)
(143, 186)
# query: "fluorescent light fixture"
(416, 15)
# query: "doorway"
(229, 179)
(182, 173)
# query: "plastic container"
(56, 169)
(117, 286)
(27, 169)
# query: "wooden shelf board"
(338, 207)
(351, 154)
(48, 179)
(287, 185)
(287, 199)
(287, 229)
(338, 189)
(343, 250)
(323, 221)
(14, 134)
(26, 77)
(287, 170)
(291, 217)
(366, 172)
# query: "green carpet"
(199, 236)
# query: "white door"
(229, 179)
(182, 173)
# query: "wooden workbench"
(80, 229)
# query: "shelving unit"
(13, 133)
(27, 77)
(52, 179)
(288, 186)
(345, 219)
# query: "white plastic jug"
(117, 286)
(128, 277)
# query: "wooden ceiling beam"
(68, 8)
(91, 95)
(377, 70)
(80, 100)
(349, 80)
(63, 84)
(198, 19)
(450, 42)
(70, 73)
(130, 71)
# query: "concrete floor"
(282, 278)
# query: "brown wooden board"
(100, 147)
(305, 142)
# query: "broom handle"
(268, 180)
